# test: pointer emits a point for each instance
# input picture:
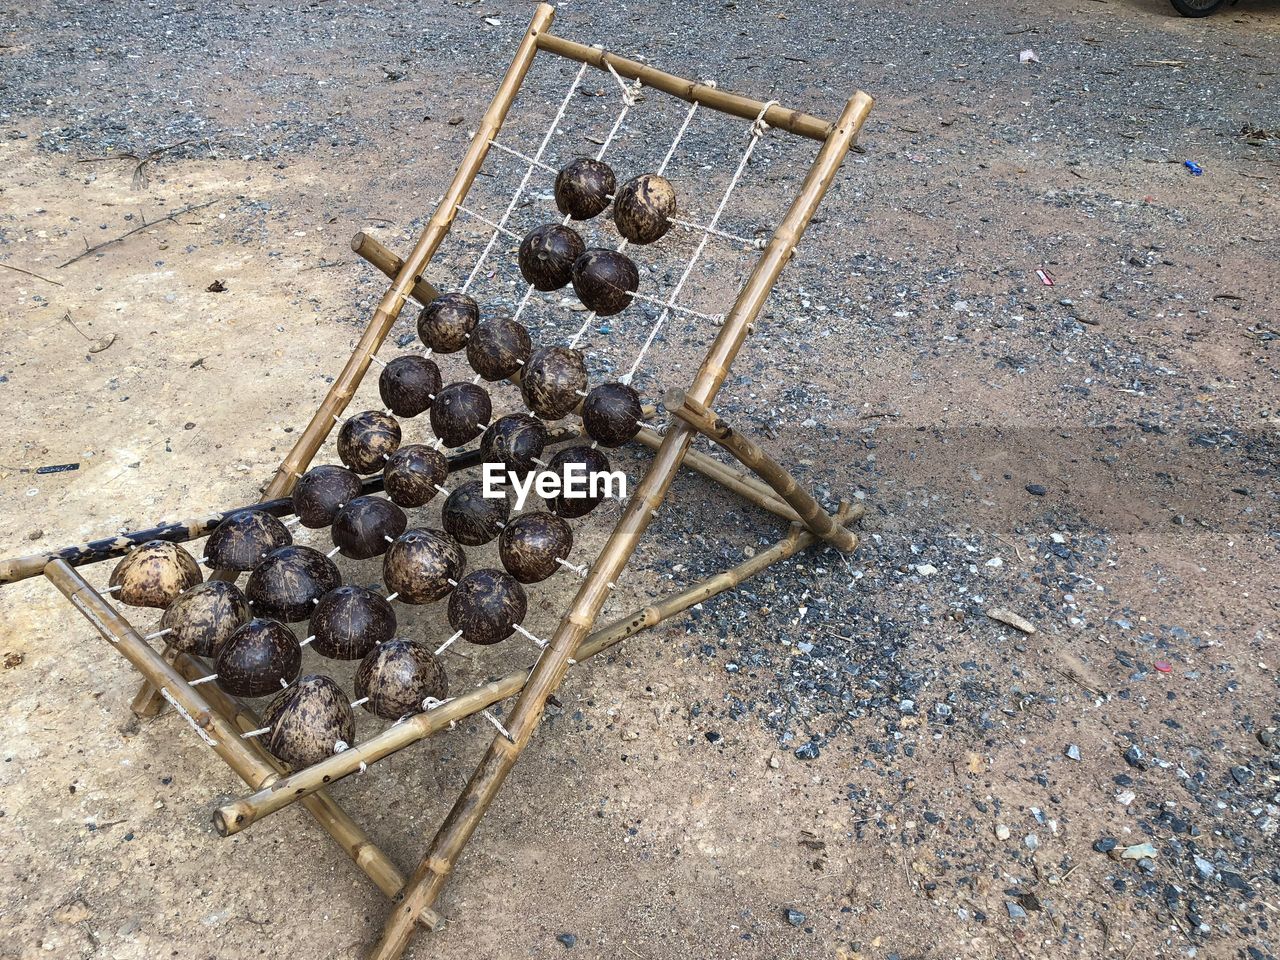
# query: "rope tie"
(758, 127)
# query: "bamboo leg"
(460, 824)
(216, 726)
(697, 416)
(407, 279)
(277, 794)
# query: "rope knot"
(758, 127)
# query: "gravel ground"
(846, 757)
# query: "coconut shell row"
(604, 280)
(643, 208)
(592, 461)
(414, 474)
(289, 581)
(367, 440)
(398, 676)
(447, 321)
(321, 492)
(420, 565)
(552, 380)
(350, 621)
(408, 384)
(258, 659)
(515, 441)
(532, 543)
(583, 187)
(498, 348)
(241, 540)
(470, 517)
(486, 606)
(153, 574)
(611, 414)
(307, 721)
(362, 527)
(460, 413)
(547, 255)
(202, 618)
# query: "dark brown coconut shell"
(643, 209)
(547, 255)
(604, 280)
(611, 413)
(286, 583)
(486, 606)
(398, 676)
(531, 544)
(498, 348)
(515, 441)
(153, 574)
(367, 440)
(307, 721)
(412, 474)
(552, 379)
(446, 321)
(204, 617)
(420, 564)
(350, 621)
(361, 528)
(242, 539)
(470, 517)
(258, 659)
(594, 462)
(408, 384)
(583, 187)
(460, 413)
(321, 491)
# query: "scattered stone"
(808, 751)
(1105, 844)
(1203, 867)
(1138, 851)
(1134, 758)
(1072, 752)
(1032, 841)
(1037, 489)
(1002, 831)
(1015, 910)
(794, 916)
(1009, 618)
(1241, 775)
(568, 939)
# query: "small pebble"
(794, 916)
(1072, 751)
(1104, 844)
(1037, 490)
(568, 939)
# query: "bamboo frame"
(692, 413)
(219, 718)
(429, 878)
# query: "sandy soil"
(911, 357)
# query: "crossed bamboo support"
(220, 720)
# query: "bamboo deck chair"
(237, 734)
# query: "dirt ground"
(844, 759)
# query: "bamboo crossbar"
(279, 793)
(682, 406)
(735, 104)
(429, 878)
(218, 727)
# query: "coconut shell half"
(153, 574)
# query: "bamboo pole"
(219, 720)
(406, 281)
(793, 121)
(690, 411)
(275, 795)
(429, 878)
